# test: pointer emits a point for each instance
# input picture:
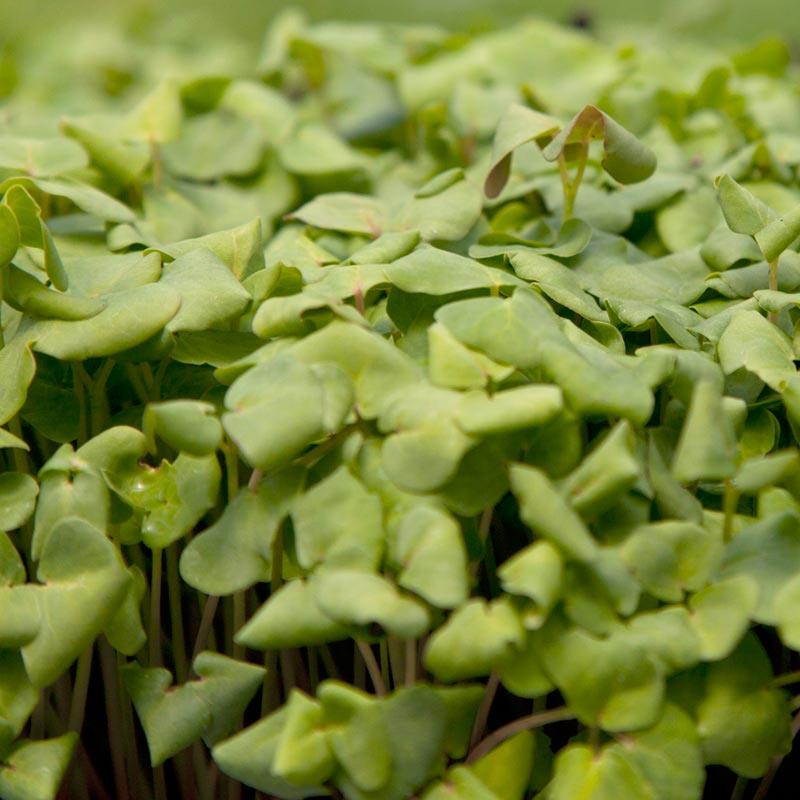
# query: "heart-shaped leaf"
(207, 707)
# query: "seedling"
(748, 215)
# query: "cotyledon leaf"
(35, 769)
(518, 126)
(187, 425)
(357, 598)
(625, 158)
(429, 547)
(338, 522)
(236, 551)
(18, 493)
(129, 318)
(476, 638)
(547, 512)
(25, 293)
(280, 407)
(206, 707)
(17, 368)
(290, 618)
(210, 294)
(82, 582)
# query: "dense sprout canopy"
(398, 414)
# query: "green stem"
(136, 383)
(155, 609)
(730, 501)
(566, 187)
(485, 707)
(773, 286)
(158, 380)
(155, 161)
(384, 655)
(328, 662)
(231, 456)
(411, 662)
(238, 623)
(313, 668)
(176, 614)
(20, 456)
(372, 667)
(785, 680)
(537, 720)
(314, 455)
(78, 386)
(116, 728)
(80, 691)
(739, 787)
(569, 185)
(206, 621)
(98, 399)
(396, 660)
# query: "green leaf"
(743, 212)
(290, 618)
(523, 407)
(174, 497)
(476, 638)
(414, 719)
(26, 293)
(70, 487)
(742, 723)
(663, 763)
(9, 235)
(249, 757)
(278, 408)
(158, 115)
(721, 615)
(34, 770)
(236, 551)
(611, 683)
(304, 755)
(18, 698)
(125, 632)
(17, 499)
(778, 235)
(186, 425)
(429, 547)
(546, 512)
(750, 342)
(356, 597)
(606, 474)
(240, 249)
(17, 368)
(82, 583)
(706, 448)
(766, 551)
(173, 718)
(506, 770)
(85, 197)
(337, 522)
(210, 295)
(428, 270)
(625, 158)
(129, 318)
(121, 161)
(51, 156)
(671, 556)
(518, 126)
(536, 572)
(459, 784)
(212, 146)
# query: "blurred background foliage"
(247, 18)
